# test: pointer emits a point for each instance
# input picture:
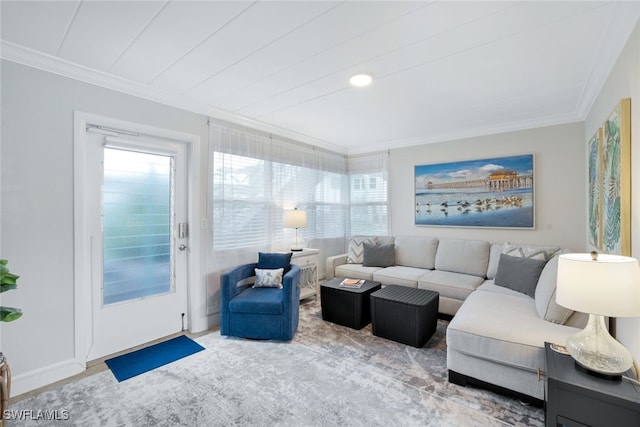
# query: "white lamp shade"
(608, 286)
(295, 219)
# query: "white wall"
(37, 206)
(558, 190)
(624, 82)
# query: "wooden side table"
(575, 398)
(5, 387)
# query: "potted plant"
(7, 282)
(7, 314)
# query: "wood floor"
(98, 365)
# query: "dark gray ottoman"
(406, 315)
(345, 306)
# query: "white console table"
(308, 260)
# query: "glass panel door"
(137, 225)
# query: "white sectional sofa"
(497, 334)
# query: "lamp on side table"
(600, 285)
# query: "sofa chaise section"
(498, 337)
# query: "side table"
(308, 260)
(346, 306)
(575, 398)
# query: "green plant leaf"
(9, 314)
(4, 287)
(8, 279)
(4, 261)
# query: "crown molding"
(469, 133)
(35, 59)
(622, 23)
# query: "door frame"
(83, 303)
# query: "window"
(368, 204)
(255, 179)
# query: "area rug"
(144, 360)
(328, 375)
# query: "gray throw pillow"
(519, 274)
(379, 255)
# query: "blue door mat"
(146, 359)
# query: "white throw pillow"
(545, 296)
(355, 251)
(544, 253)
(268, 278)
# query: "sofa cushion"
(504, 328)
(463, 256)
(519, 274)
(545, 295)
(378, 255)
(356, 271)
(355, 250)
(530, 251)
(257, 301)
(399, 275)
(448, 284)
(417, 252)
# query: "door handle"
(182, 247)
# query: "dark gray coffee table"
(406, 315)
(346, 306)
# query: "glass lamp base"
(597, 352)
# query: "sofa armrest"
(332, 263)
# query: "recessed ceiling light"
(361, 80)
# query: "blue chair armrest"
(229, 281)
(290, 290)
(291, 279)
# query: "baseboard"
(32, 380)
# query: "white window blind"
(256, 178)
(368, 195)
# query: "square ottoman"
(406, 315)
(345, 306)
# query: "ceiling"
(442, 70)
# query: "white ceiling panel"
(495, 28)
(442, 69)
(102, 30)
(257, 27)
(39, 25)
(176, 30)
(330, 29)
(397, 35)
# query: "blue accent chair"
(259, 313)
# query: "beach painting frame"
(495, 192)
(616, 180)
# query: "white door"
(138, 212)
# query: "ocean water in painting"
(461, 207)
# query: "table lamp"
(295, 219)
(599, 285)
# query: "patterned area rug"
(328, 375)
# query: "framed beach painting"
(616, 180)
(595, 189)
(492, 192)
